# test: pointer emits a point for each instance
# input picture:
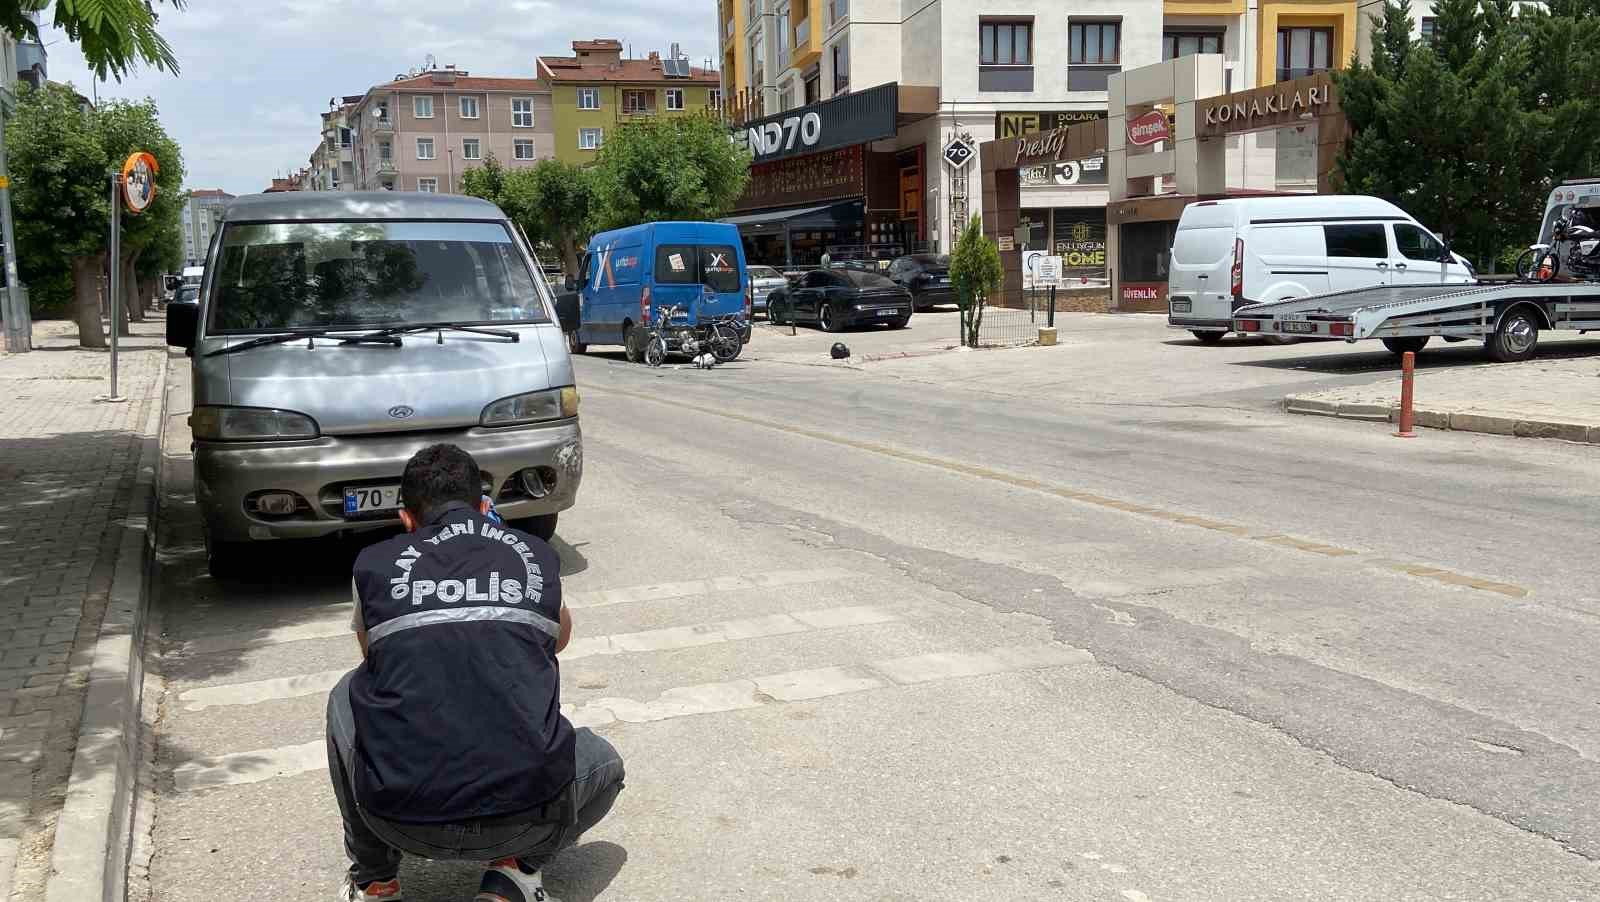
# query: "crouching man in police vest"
(448, 741)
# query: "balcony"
(386, 166)
(805, 50)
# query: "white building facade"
(201, 217)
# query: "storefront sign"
(1149, 129)
(1005, 243)
(1143, 293)
(1069, 174)
(1082, 245)
(1017, 125)
(853, 118)
(958, 153)
(814, 178)
(1274, 106)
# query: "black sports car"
(838, 298)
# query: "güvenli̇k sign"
(139, 182)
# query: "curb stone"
(1443, 419)
(89, 854)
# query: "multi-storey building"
(201, 217)
(596, 89)
(981, 69)
(421, 132)
(332, 165)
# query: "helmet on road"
(839, 351)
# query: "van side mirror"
(183, 322)
(571, 284)
(567, 311)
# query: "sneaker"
(388, 890)
(506, 881)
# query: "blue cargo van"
(630, 273)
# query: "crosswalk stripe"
(727, 631)
(261, 690)
(736, 695)
(684, 701)
(693, 587)
(329, 626)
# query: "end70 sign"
(784, 136)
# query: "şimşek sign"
(1148, 129)
(139, 182)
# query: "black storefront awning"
(825, 216)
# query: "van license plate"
(371, 499)
(1181, 305)
(1297, 327)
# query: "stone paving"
(67, 467)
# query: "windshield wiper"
(430, 327)
(310, 335)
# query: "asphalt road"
(1093, 622)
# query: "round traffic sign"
(139, 181)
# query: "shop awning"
(819, 217)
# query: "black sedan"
(839, 298)
(927, 277)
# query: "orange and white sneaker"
(507, 881)
(387, 890)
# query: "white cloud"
(255, 75)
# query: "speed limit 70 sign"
(958, 153)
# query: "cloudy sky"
(256, 74)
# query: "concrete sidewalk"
(1541, 398)
(70, 465)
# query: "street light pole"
(116, 277)
(19, 326)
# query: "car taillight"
(1344, 330)
(749, 298)
(644, 306)
(1249, 325)
(1236, 278)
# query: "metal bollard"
(1408, 374)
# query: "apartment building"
(421, 131)
(332, 164)
(201, 216)
(994, 68)
(596, 89)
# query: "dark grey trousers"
(375, 845)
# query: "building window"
(786, 95)
(1303, 51)
(639, 102)
(1183, 43)
(385, 150)
(588, 98)
(424, 148)
(758, 68)
(522, 149)
(471, 149)
(841, 65)
(813, 83)
(714, 98)
(1005, 43)
(522, 112)
(344, 137)
(1094, 43)
(422, 107)
(469, 107)
(428, 186)
(838, 11)
(674, 98)
(783, 35)
(590, 138)
(1428, 24)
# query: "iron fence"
(1006, 327)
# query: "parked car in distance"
(630, 273)
(339, 333)
(1228, 254)
(839, 298)
(763, 281)
(927, 277)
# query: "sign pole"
(19, 328)
(116, 277)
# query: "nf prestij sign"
(1149, 129)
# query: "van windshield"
(318, 275)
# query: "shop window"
(1144, 250)
(1005, 55)
(1094, 51)
(1365, 240)
(1184, 43)
(1080, 240)
(1304, 51)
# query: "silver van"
(338, 333)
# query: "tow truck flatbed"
(1505, 315)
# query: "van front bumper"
(230, 475)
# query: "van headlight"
(533, 407)
(250, 424)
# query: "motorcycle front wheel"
(655, 353)
(726, 343)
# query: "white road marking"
(333, 625)
(1133, 895)
(690, 588)
(8, 866)
(683, 701)
(727, 631)
(250, 767)
(261, 690)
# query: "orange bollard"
(1408, 374)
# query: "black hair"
(438, 475)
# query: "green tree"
(128, 127)
(59, 199)
(114, 35)
(976, 274)
(683, 167)
(1470, 131)
(550, 201)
